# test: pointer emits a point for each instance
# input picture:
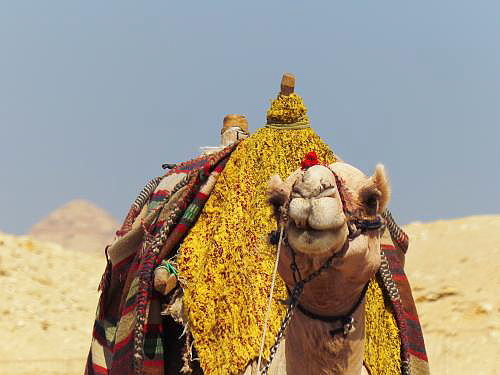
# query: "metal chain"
(295, 294)
(294, 299)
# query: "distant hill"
(77, 225)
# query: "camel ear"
(278, 191)
(381, 182)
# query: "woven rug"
(127, 335)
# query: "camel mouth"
(308, 240)
(319, 213)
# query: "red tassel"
(309, 160)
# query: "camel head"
(328, 213)
(322, 203)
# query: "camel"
(322, 204)
(328, 212)
(329, 220)
(320, 208)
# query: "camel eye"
(296, 192)
(370, 199)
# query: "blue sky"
(95, 96)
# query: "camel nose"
(326, 213)
(299, 211)
(317, 213)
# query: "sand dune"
(49, 299)
(453, 267)
(49, 296)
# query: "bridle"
(356, 227)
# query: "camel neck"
(331, 300)
(312, 349)
(342, 318)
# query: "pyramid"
(78, 225)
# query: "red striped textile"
(405, 311)
(126, 287)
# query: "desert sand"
(49, 299)
(453, 267)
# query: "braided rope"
(385, 273)
(139, 202)
(397, 234)
(150, 249)
(147, 191)
(405, 367)
(390, 286)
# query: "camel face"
(317, 223)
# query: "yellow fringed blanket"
(226, 260)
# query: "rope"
(296, 125)
(399, 237)
(146, 192)
(270, 298)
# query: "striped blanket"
(397, 288)
(128, 333)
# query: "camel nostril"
(300, 223)
(299, 211)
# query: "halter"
(346, 320)
(356, 227)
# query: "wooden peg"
(287, 84)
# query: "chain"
(295, 294)
(294, 298)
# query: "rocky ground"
(49, 299)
